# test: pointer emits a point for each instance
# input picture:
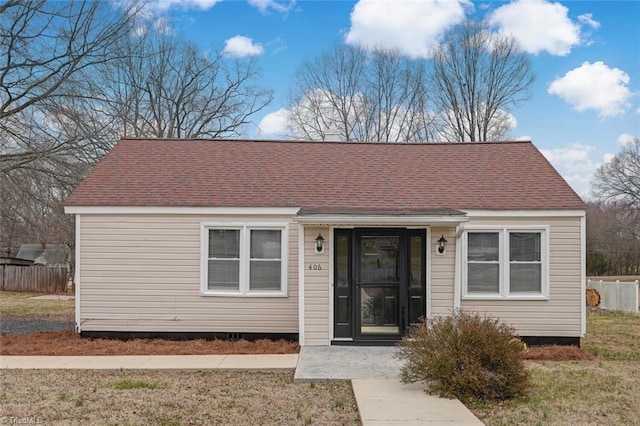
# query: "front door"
(379, 286)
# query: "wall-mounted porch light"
(319, 244)
(442, 244)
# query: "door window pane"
(342, 261)
(379, 259)
(415, 280)
(379, 310)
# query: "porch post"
(301, 301)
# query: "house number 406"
(315, 267)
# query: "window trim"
(245, 259)
(504, 263)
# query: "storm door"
(379, 286)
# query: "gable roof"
(325, 176)
(53, 253)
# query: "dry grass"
(600, 391)
(613, 335)
(173, 398)
(573, 393)
(19, 304)
(69, 343)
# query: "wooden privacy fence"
(616, 295)
(39, 279)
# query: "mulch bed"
(67, 342)
(556, 353)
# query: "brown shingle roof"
(324, 175)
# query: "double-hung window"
(506, 263)
(244, 260)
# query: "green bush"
(465, 355)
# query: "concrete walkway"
(153, 362)
(390, 402)
(346, 363)
(375, 376)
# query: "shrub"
(465, 355)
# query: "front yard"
(605, 391)
(95, 397)
(602, 391)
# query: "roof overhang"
(240, 211)
(406, 217)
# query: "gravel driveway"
(29, 325)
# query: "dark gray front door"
(379, 286)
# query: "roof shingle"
(325, 175)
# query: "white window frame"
(504, 263)
(245, 229)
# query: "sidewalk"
(153, 362)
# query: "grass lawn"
(19, 304)
(173, 398)
(605, 391)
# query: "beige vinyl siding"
(142, 273)
(317, 287)
(561, 314)
(441, 287)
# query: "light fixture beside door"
(442, 246)
(319, 244)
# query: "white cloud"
(594, 86)
(575, 163)
(608, 157)
(638, 111)
(240, 46)
(155, 13)
(523, 138)
(279, 6)
(274, 124)
(539, 25)
(414, 27)
(624, 139)
(161, 6)
(587, 19)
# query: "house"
(330, 243)
(54, 255)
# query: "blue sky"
(585, 102)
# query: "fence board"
(38, 279)
(616, 295)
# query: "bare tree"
(613, 238)
(477, 77)
(164, 86)
(74, 77)
(43, 45)
(351, 94)
(619, 179)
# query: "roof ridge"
(301, 141)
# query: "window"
(244, 260)
(506, 263)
